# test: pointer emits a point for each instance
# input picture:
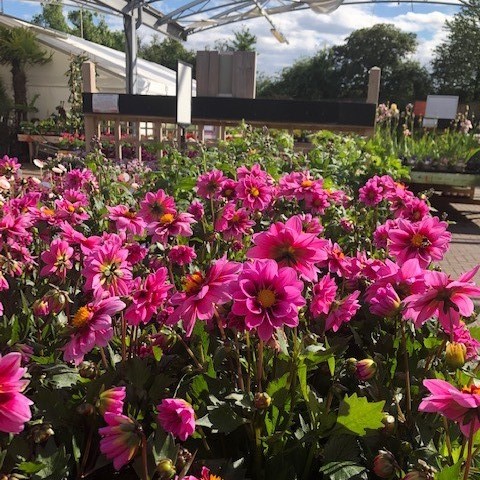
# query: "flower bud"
(41, 433)
(87, 370)
(351, 364)
(366, 369)
(166, 469)
(455, 354)
(85, 409)
(40, 308)
(384, 464)
(389, 424)
(262, 400)
(56, 300)
(183, 457)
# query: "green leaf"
(450, 473)
(221, 419)
(31, 467)
(356, 415)
(302, 377)
(278, 391)
(346, 470)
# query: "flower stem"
(189, 351)
(408, 394)
(470, 449)
(144, 458)
(447, 438)
(259, 365)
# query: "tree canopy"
(166, 52)
(456, 64)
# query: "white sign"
(441, 106)
(430, 122)
(105, 103)
(184, 93)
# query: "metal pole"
(131, 51)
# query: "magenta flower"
(14, 406)
(202, 293)
(57, 259)
(460, 406)
(9, 166)
(111, 400)
(155, 205)
(386, 302)
(414, 209)
(182, 255)
(106, 270)
(171, 225)
(342, 311)
(210, 184)
(254, 193)
(196, 209)
(323, 295)
(268, 297)
(92, 327)
(81, 180)
(310, 224)
(126, 219)
(380, 235)
(444, 298)
(336, 261)
(233, 223)
(290, 247)
(176, 416)
(299, 185)
(426, 240)
(148, 296)
(461, 334)
(372, 193)
(317, 202)
(120, 439)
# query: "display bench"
(448, 182)
(34, 141)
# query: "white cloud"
(308, 32)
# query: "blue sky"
(306, 31)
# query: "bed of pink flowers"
(257, 328)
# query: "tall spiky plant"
(19, 47)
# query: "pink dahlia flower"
(336, 261)
(310, 224)
(81, 180)
(426, 240)
(9, 166)
(460, 406)
(155, 205)
(342, 311)
(255, 171)
(323, 295)
(120, 439)
(444, 298)
(290, 247)
(254, 193)
(386, 302)
(106, 270)
(414, 209)
(111, 400)
(210, 184)
(372, 193)
(202, 293)
(126, 219)
(233, 223)
(171, 225)
(461, 334)
(57, 259)
(176, 416)
(182, 255)
(92, 327)
(14, 406)
(148, 296)
(196, 209)
(268, 297)
(317, 202)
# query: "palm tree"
(18, 48)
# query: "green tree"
(243, 41)
(383, 46)
(18, 48)
(52, 17)
(456, 62)
(167, 52)
(316, 77)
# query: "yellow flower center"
(48, 211)
(307, 183)
(228, 192)
(235, 218)
(71, 208)
(193, 283)
(130, 214)
(418, 240)
(82, 317)
(254, 191)
(266, 298)
(472, 389)
(167, 218)
(286, 253)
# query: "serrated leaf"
(450, 473)
(356, 415)
(346, 470)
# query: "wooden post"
(118, 137)
(201, 133)
(89, 86)
(138, 137)
(373, 85)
